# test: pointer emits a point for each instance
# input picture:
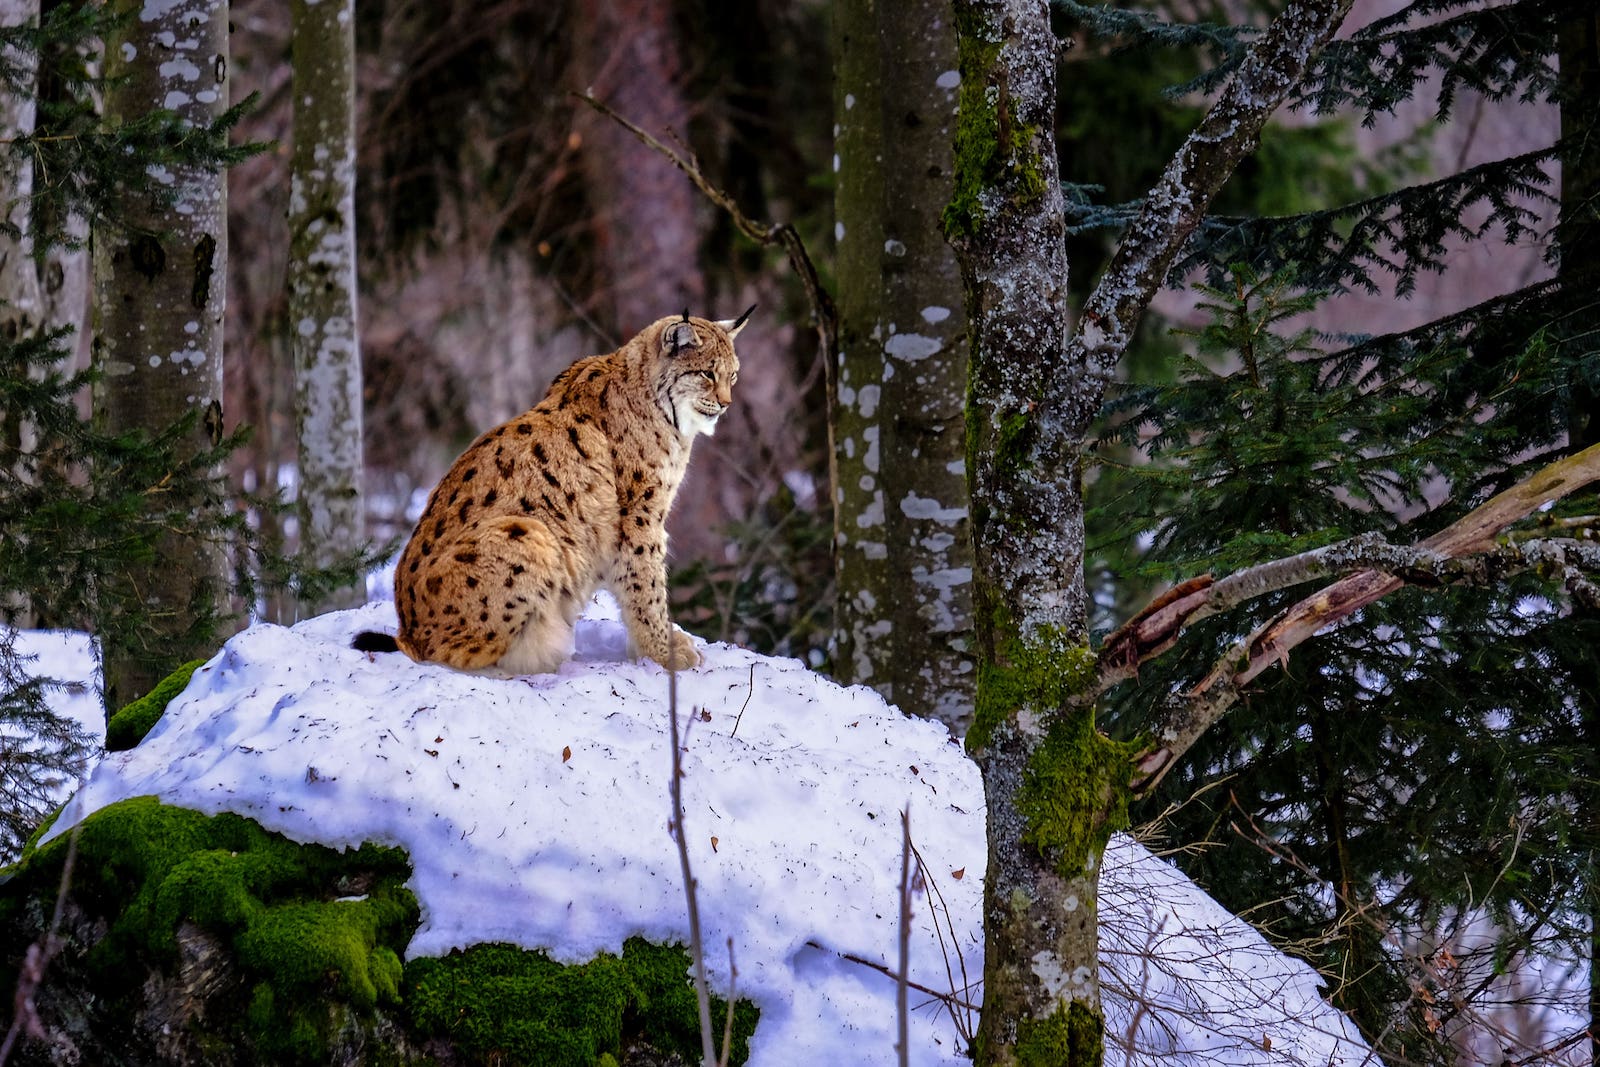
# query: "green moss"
(1043, 672)
(307, 958)
(1075, 791)
(986, 155)
(1070, 1038)
(311, 943)
(502, 1005)
(130, 725)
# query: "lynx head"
(696, 368)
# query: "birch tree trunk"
(20, 299)
(322, 289)
(904, 557)
(158, 299)
(1055, 786)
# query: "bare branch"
(1155, 629)
(697, 951)
(1440, 559)
(25, 1015)
(902, 1012)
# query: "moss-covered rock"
(191, 939)
(130, 725)
(221, 915)
(565, 1016)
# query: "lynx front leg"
(639, 582)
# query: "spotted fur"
(569, 497)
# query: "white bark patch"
(950, 79)
(872, 514)
(873, 549)
(155, 9)
(180, 68)
(912, 347)
(838, 231)
(935, 314)
(894, 247)
(869, 400)
(921, 507)
(1056, 981)
(870, 460)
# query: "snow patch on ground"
(535, 810)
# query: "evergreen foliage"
(1431, 761)
(1431, 757)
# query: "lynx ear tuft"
(733, 326)
(677, 337)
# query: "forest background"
(505, 228)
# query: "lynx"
(569, 497)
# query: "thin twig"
(739, 717)
(708, 1041)
(733, 997)
(941, 914)
(25, 1013)
(903, 1044)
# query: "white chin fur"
(692, 421)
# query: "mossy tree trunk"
(158, 300)
(904, 616)
(1055, 786)
(322, 289)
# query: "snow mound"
(535, 811)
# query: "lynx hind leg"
(511, 598)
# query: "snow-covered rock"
(535, 811)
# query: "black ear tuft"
(740, 321)
(685, 314)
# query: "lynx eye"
(709, 375)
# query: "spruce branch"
(1464, 552)
(1401, 235)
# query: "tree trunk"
(322, 289)
(645, 225)
(904, 553)
(1056, 787)
(20, 299)
(159, 296)
(1048, 774)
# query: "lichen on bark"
(993, 146)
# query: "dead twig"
(708, 1041)
(25, 1013)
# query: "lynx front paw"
(682, 655)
